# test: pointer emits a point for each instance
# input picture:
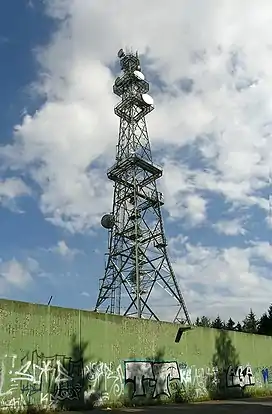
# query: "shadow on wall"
(57, 382)
(225, 356)
(70, 394)
(75, 394)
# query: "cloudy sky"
(209, 66)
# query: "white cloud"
(262, 250)
(196, 208)
(190, 205)
(10, 189)
(229, 227)
(85, 294)
(223, 280)
(14, 274)
(63, 250)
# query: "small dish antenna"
(139, 75)
(107, 221)
(121, 53)
(148, 100)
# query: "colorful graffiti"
(267, 375)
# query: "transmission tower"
(138, 271)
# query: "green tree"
(269, 312)
(263, 326)
(238, 327)
(218, 323)
(250, 323)
(203, 321)
(265, 323)
(230, 325)
(197, 322)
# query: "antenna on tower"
(121, 53)
(138, 273)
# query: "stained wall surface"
(52, 356)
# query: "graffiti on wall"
(157, 374)
(104, 381)
(155, 377)
(240, 376)
(267, 375)
(45, 380)
(51, 381)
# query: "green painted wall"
(55, 356)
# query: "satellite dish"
(107, 221)
(139, 75)
(121, 53)
(148, 100)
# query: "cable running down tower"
(138, 275)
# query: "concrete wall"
(52, 356)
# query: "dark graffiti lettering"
(157, 374)
(240, 376)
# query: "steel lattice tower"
(137, 259)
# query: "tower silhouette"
(138, 272)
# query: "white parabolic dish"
(139, 75)
(147, 99)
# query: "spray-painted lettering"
(104, 381)
(240, 376)
(157, 373)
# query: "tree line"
(251, 324)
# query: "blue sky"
(28, 234)
(58, 135)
